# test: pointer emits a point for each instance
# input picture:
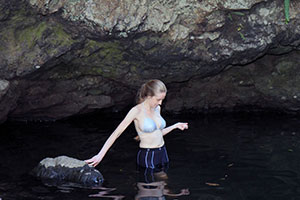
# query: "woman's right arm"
(112, 138)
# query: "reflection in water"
(154, 186)
(106, 194)
(156, 190)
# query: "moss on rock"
(103, 58)
(31, 34)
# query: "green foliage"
(235, 13)
(230, 17)
(287, 11)
(242, 36)
(240, 26)
(238, 13)
(239, 29)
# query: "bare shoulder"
(136, 109)
(132, 114)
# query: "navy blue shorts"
(152, 158)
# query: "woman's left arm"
(179, 125)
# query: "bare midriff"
(151, 140)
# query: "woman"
(149, 124)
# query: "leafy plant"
(239, 29)
(238, 13)
(230, 17)
(287, 11)
(242, 36)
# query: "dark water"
(218, 158)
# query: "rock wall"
(62, 58)
(271, 83)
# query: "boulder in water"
(66, 169)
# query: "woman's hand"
(94, 161)
(182, 126)
(137, 138)
(185, 192)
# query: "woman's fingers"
(95, 163)
(186, 126)
(185, 191)
(183, 126)
(92, 162)
(89, 162)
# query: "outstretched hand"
(182, 126)
(94, 161)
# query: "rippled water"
(219, 157)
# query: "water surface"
(219, 157)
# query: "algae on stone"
(31, 34)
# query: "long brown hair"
(149, 89)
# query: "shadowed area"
(219, 157)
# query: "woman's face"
(157, 99)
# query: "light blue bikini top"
(149, 124)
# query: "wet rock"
(270, 84)
(139, 16)
(8, 98)
(65, 58)
(4, 85)
(64, 169)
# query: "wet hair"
(150, 89)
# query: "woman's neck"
(147, 106)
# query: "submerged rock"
(65, 169)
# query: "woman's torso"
(149, 127)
